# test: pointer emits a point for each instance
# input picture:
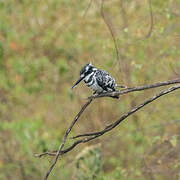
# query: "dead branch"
(111, 126)
(88, 7)
(123, 14)
(95, 135)
(151, 20)
(110, 27)
(138, 88)
(65, 137)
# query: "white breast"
(94, 86)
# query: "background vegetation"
(44, 44)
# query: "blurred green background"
(44, 44)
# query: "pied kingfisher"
(98, 80)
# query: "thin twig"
(151, 20)
(88, 7)
(123, 14)
(65, 137)
(110, 27)
(52, 153)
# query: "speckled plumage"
(97, 80)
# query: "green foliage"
(62, 66)
(88, 163)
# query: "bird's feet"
(121, 86)
(112, 96)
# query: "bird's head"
(85, 71)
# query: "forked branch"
(113, 125)
(138, 88)
(90, 136)
(65, 137)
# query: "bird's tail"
(120, 86)
(116, 97)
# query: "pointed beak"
(77, 82)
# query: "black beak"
(77, 82)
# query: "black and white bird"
(98, 80)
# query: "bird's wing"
(104, 80)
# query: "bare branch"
(151, 20)
(64, 139)
(123, 14)
(53, 153)
(139, 88)
(113, 125)
(88, 7)
(110, 27)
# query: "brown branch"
(52, 153)
(116, 123)
(88, 7)
(139, 88)
(64, 139)
(123, 14)
(151, 20)
(110, 27)
(110, 127)
(113, 125)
